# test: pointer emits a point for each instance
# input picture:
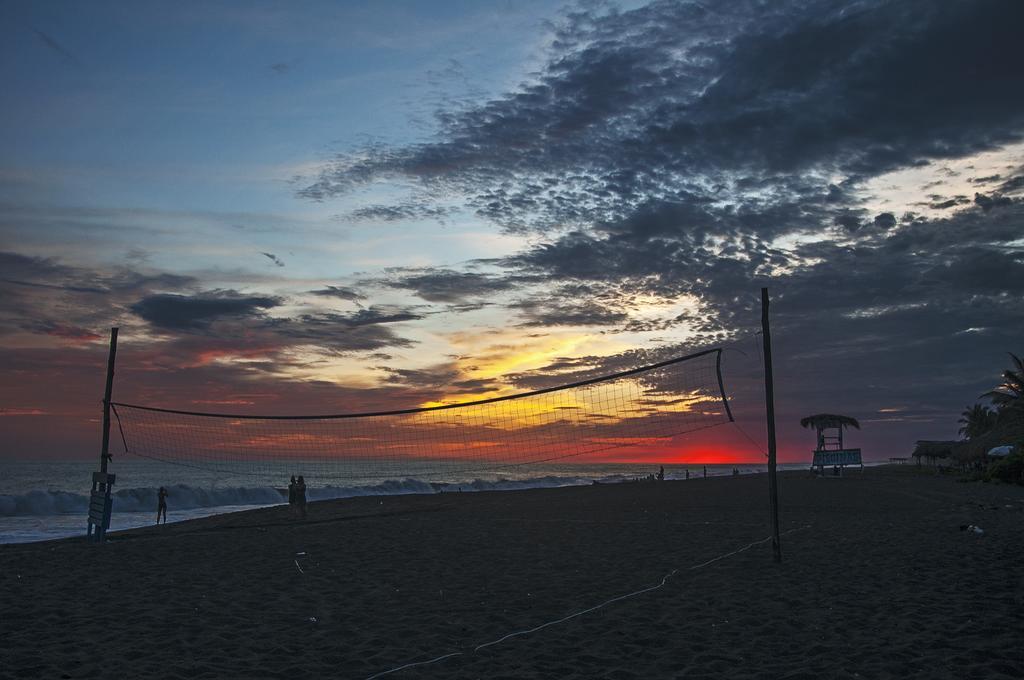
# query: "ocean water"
(48, 500)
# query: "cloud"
(560, 310)
(715, 118)
(184, 312)
(273, 258)
(377, 315)
(446, 285)
(47, 297)
(400, 212)
(994, 200)
(340, 292)
(682, 149)
(445, 379)
(366, 330)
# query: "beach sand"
(878, 581)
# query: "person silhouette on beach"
(661, 474)
(705, 472)
(161, 505)
(687, 473)
(300, 497)
(291, 496)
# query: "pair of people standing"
(297, 497)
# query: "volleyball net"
(648, 409)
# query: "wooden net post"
(769, 398)
(100, 501)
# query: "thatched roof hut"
(821, 421)
(830, 421)
(934, 449)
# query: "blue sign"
(840, 457)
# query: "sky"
(325, 207)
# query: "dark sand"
(884, 584)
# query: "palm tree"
(1009, 396)
(976, 420)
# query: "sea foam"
(186, 497)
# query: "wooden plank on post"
(769, 398)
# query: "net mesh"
(646, 409)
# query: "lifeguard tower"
(830, 449)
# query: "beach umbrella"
(1000, 452)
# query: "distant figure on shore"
(661, 474)
(300, 496)
(291, 496)
(705, 472)
(687, 473)
(161, 505)
(735, 471)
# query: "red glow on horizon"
(700, 455)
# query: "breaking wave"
(185, 497)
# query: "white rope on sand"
(579, 613)
(586, 611)
(415, 663)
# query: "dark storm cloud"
(983, 270)
(900, 308)
(440, 376)
(720, 109)
(446, 379)
(885, 221)
(400, 212)
(64, 301)
(364, 331)
(377, 315)
(193, 312)
(559, 310)
(446, 285)
(240, 328)
(340, 292)
(39, 272)
(1013, 184)
(989, 201)
(945, 204)
(73, 304)
(273, 258)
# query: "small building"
(934, 451)
(830, 449)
